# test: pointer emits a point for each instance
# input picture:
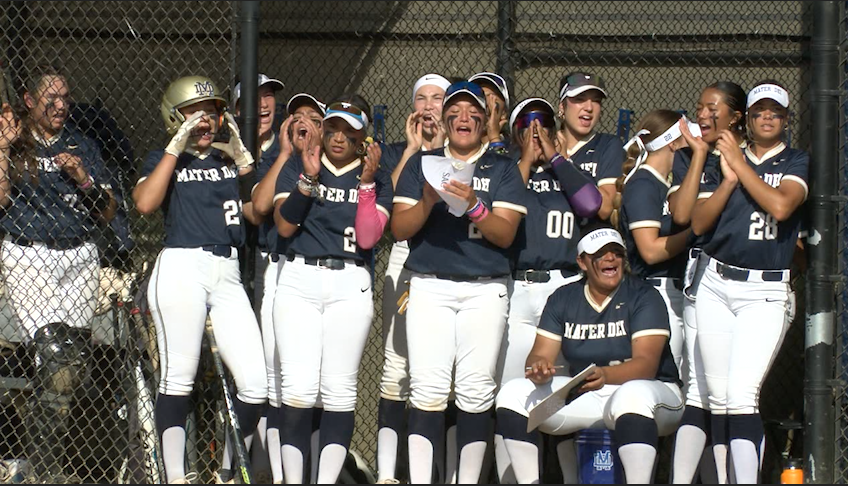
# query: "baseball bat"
(236, 437)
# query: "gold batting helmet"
(187, 91)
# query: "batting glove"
(235, 148)
(178, 144)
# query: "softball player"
(269, 149)
(333, 204)
(497, 100)
(200, 184)
(54, 190)
(458, 296)
(306, 117)
(424, 131)
(581, 97)
(745, 304)
(544, 249)
(695, 175)
(655, 244)
(619, 323)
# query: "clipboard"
(554, 402)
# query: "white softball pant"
(45, 285)
(321, 321)
(673, 298)
(454, 324)
(657, 400)
(741, 326)
(394, 384)
(696, 387)
(266, 321)
(184, 284)
(526, 302)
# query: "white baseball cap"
(301, 99)
(768, 91)
(494, 79)
(593, 241)
(430, 80)
(263, 80)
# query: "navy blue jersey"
(329, 228)
(710, 180)
(448, 245)
(49, 209)
(602, 334)
(268, 239)
(202, 204)
(644, 205)
(548, 235)
(746, 235)
(602, 156)
(392, 153)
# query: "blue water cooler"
(597, 458)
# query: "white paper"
(441, 170)
(554, 402)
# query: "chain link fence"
(119, 57)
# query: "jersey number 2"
(350, 240)
(231, 212)
(763, 227)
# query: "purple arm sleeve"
(578, 187)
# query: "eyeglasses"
(524, 121)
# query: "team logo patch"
(204, 89)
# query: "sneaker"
(220, 480)
(388, 481)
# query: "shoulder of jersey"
(605, 139)
(74, 138)
(494, 159)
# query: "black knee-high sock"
(431, 426)
(294, 428)
(391, 415)
(248, 415)
(693, 436)
(721, 442)
(472, 428)
(171, 411)
(636, 439)
(745, 434)
(336, 428)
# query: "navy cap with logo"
(577, 83)
(465, 88)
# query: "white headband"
(670, 135)
(430, 80)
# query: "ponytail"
(632, 154)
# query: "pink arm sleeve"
(370, 222)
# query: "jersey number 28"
(763, 227)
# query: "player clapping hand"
(372, 163)
(10, 128)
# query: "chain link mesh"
(119, 57)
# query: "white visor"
(430, 80)
(592, 242)
(768, 91)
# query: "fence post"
(249, 71)
(506, 43)
(818, 392)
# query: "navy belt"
(695, 252)
(66, 244)
(328, 262)
(275, 257)
(465, 278)
(742, 275)
(657, 282)
(219, 250)
(539, 276)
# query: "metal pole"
(249, 72)
(506, 44)
(818, 391)
(249, 103)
